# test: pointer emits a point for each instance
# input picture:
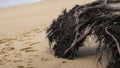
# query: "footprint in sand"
(28, 64)
(20, 67)
(28, 49)
(31, 33)
(3, 61)
(27, 34)
(5, 40)
(7, 49)
(2, 52)
(22, 38)
(44, 59)
(29, 67)
(9, 43)
(5, 56)
(24, 67)
(37, 30)
(34, 43)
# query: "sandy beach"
(23, 42)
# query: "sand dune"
(23, 42)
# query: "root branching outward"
(68, 32)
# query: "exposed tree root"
(79, 39)
(68, 32)
(116, 41)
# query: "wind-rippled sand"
(23, 42)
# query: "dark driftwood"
(68, 32)
(82, 37)
(116, 41)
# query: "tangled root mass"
(68, 32)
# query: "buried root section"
(68, 32)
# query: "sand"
(23, 42)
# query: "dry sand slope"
(23, 42)
(30, 50)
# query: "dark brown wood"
(83, 36)
(68, 32)
(116, 41)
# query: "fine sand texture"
(23, 42)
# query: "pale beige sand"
(23, 42)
